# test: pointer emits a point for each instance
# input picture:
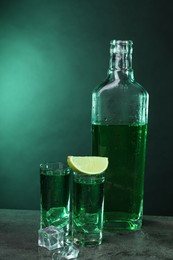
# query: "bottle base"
(113, 222)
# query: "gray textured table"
(18, 239)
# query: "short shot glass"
(87, 208)
(55, 195)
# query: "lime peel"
(88, 164)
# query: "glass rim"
(123, 42)
(53, 165)
(85, 175)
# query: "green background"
(52, 55)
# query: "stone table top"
(19, 236)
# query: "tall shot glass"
(87, 208)
(55, 195)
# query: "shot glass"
(87, 208)
(55, 195)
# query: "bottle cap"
(121, 47)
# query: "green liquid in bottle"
(125, 146)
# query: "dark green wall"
(52, 54)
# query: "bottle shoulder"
(138, 87)
(117, 86)
(101, 85)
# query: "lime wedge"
(88, 164)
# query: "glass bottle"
(119, 131)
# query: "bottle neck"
(120, 66)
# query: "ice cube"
(51, 237)
(69, 251)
